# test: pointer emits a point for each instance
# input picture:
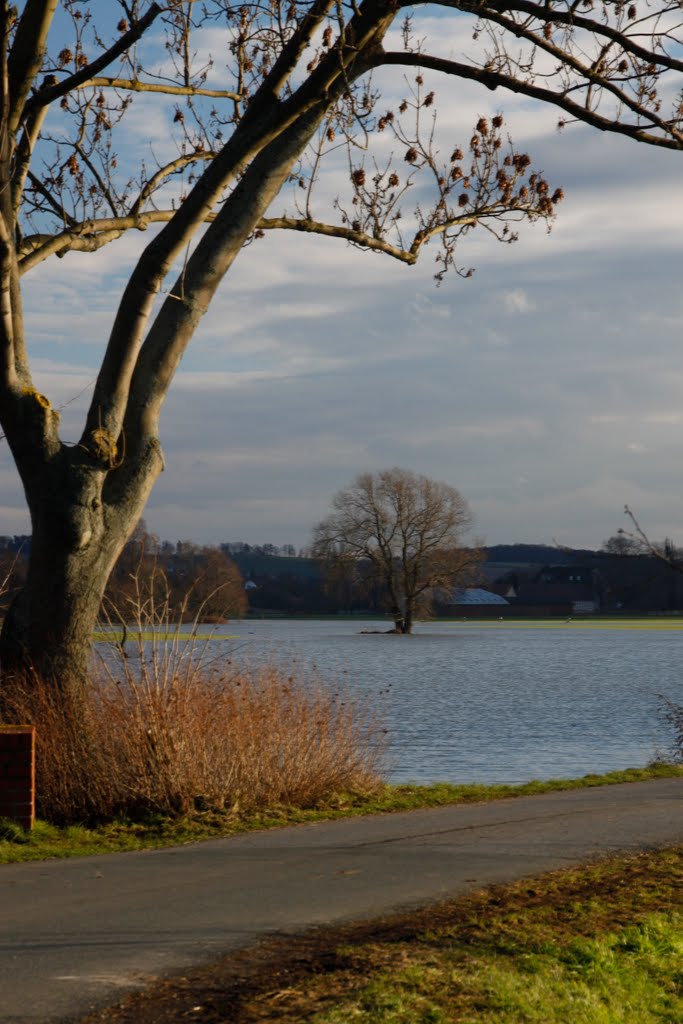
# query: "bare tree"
(295, 94)
(621, 545)
(641, 544)
(403, 532)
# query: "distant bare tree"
(402, 531)
(622, 545)
(665, 550)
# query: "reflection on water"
(473, 704)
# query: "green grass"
(577, 622)
(633, 974)
(622, 975)
(115, 636)
(600, 944)
(49, 841)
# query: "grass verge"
(595, 944)
(157, 830)
(665, 623)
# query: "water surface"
(478, 703)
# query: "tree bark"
(82, 513)
(47, 632)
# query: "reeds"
(163, 728)
(672, 714)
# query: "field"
(650, 623)
(656, 623)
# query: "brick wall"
(18, 773)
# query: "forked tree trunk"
(78, 533)
(49, 626)
(86, 499)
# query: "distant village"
(514, 580)
(238, 579)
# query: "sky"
(548, 388)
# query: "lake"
(490, 702)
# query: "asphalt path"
(76, 934)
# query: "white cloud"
(496, 338)
(668, 419)
(423, 306)
(524, 386)
(518, 301)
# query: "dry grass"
(251, 739)
(163, 729)
(673, 716)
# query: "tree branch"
(215, 252)
(57, 207)
(166, 171)
(89, 236)
(267, 121)
(500, 11)
(49, 93)
(103, 187)
(24, 153)
(295, 46)
(26, 55)
(664, 553)
(588, 72)
(495, 79)
(135, 85)
(8, 373)
(8, 370)
(338, 231)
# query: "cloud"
(424, 306)
(518, 301)
(530, 387)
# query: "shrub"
(673, 716)
(162, 728)
(250, 739)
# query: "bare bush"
(251, 739)
(71, 777)
(164, 728)
(673, 716)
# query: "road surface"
(77, 934)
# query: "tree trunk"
(48, 628)
(78, 533)
(403, 622)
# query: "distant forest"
(234, 579)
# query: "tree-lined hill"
(235, 578)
